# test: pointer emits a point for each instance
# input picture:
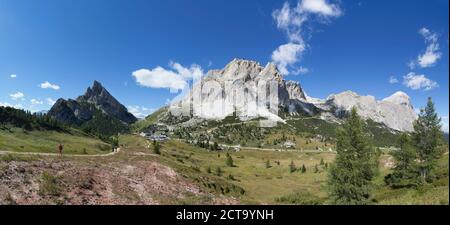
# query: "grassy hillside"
(436, 193)
(75, 142)
(252, 181)
(149, 120)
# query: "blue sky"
(341, 45)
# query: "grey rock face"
(246, 77)
(396, 111)
(101, 98)
(82, 109)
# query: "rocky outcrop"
(218, 102)
(83, 108)
(237, 88)
(396, 111)
(70, 111)
(102, 99)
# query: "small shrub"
(49, 185)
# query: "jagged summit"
(400, 98)
(395, 112)
(82, 109)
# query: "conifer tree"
(426, 137)
(303, 168)
(351, 175)
(267, 164)
(156, 148)
(405, 172)
(229, 160)
(292, 167)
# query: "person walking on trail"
(60, 149)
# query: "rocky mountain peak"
(399, 98)
(391, 111)
(97, 96)
(96, 93)
(394, 112)
(295, 90)
(241, 68)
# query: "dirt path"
(57, 154)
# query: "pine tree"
(322, 162)
(156, 148)
(303, 168)
(426, 137)
(316, 169)
(405, 172)
(267, 164)
(292, 167)
(351, 175)
(229, 161)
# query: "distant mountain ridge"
(395, 112)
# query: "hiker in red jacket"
(60, 149)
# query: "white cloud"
(444, 123)
(418, 81)
(36, 102)
(412, 64)
(175, 79)
(17, 96)
(320, 7)
(431, 55)
(13, 76)
(287, 55)
(300, 70)
(393, 80)
(47, 85)
(6, 104)
(291, 21)
(140, 112)
(194, 72)
(50, 101)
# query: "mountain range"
(98, 106)
(395, 112)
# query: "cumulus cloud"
(13, 76)
(140, 112)
(36, 102)
(393, 80)
(431, 55)
(6, 104)
(50, 101)
(17, 96)
(286, 55)
(194, 72)
(291, 21)
(47, 85)
(301, 70)
(320, 7)
(174, 79)
(419, 82)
